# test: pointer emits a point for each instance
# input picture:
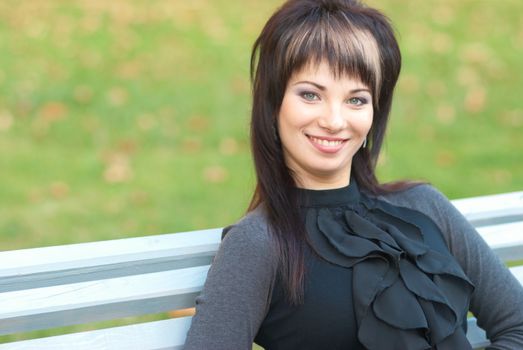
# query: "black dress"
(378, 277)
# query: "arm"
(497, 301)
(236, 294)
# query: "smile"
(327, 145)
(324, 142)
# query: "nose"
(332, 119)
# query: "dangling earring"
(365, 142)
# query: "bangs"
(333, 38)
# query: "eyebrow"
(323, 88)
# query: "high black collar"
(347, 195)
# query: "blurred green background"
(130, 118)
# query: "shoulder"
(428, 200)
(246, 254)
(252, 227)
(249, 236)
(432, 203)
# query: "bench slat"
(505, 239)
(492, 209)
(81, 252)
(48, 307)
(48, 266)
(157, 335)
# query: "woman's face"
(323, 122)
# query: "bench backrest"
(44, 288)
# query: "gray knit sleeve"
(497, 301)
(236, 294)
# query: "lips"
(327, 144)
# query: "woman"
(328, 258)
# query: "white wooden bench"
(50, 287)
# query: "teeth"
(326, 142)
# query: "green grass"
(130, 118)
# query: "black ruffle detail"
(406, 295)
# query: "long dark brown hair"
(354, 40)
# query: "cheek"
(290, 114)
(365, 122)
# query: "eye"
(357, 101)
(309, 96)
